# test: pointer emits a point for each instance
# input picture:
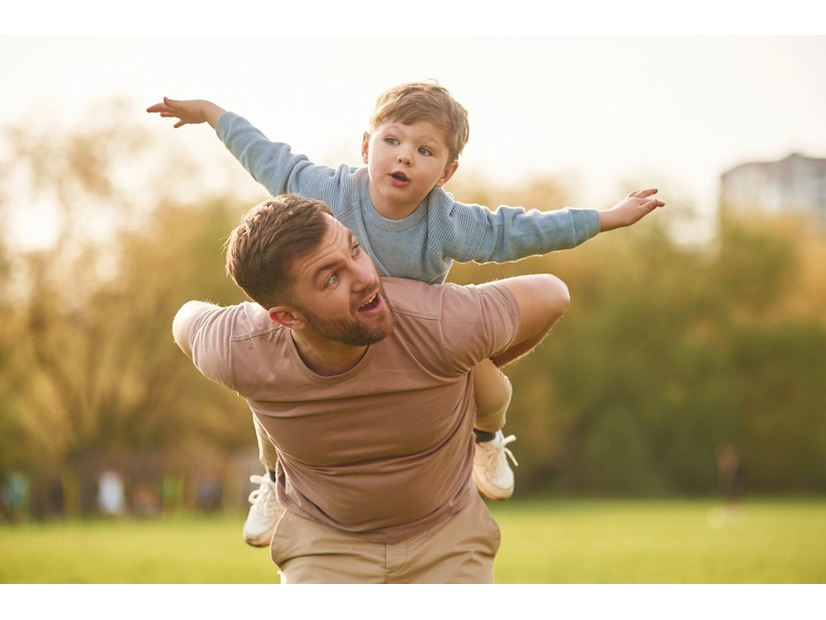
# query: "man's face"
(337, 292)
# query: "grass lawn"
(548, 542)
(662, 542)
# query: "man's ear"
(365, 146)
(286, 317)
(448, 172)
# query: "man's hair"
(262, 248)
(424, 101)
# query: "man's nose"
(365, 274)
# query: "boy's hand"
(630, 210)
(191, 112)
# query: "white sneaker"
(491, 472)
(263, 517)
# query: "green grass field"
(553, 542)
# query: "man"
(362, 384)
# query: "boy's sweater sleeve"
(469, 232)
(272, 164)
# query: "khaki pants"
(460, 550)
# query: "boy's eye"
(425, 151)
(390, 140)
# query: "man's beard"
(352, 331)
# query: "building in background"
(795, 185)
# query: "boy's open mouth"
(399, 176)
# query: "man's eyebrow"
(351, 238)
(325, 267)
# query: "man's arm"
(541, 300)
(183, 320)
(188, 112)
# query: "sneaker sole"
(496, 495)
(263, 540)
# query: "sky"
(599, 111)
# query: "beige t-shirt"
(385, 450)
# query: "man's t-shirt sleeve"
(210, 336)
(477, 322)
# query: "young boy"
(411, 228)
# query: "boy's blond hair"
(424, 101)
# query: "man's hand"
(190, 112)
(630, 210)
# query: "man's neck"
(327, 358)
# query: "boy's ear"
(448, 172)
(286, 317)
(365, 146)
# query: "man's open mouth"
(371, 303)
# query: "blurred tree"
(14, 440)
(669, 350)
(102, 374)
(658, 363)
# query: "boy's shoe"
(263, 517)
(491, 472)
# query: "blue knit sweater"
(423, 245)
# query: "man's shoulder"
(420, 299)
(451, 325)
(238, 321)
(407, 295)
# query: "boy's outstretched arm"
(630, 210)
(188, 112)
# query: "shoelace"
(494, 454)
(264, 494)
(505, 442)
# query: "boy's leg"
(491, 471)
(264, 512)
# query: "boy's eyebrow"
(393, 125)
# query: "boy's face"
(404, 163)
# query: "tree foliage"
(668, 352)
(98, 372)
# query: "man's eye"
(331, 280)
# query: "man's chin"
(378, 332)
